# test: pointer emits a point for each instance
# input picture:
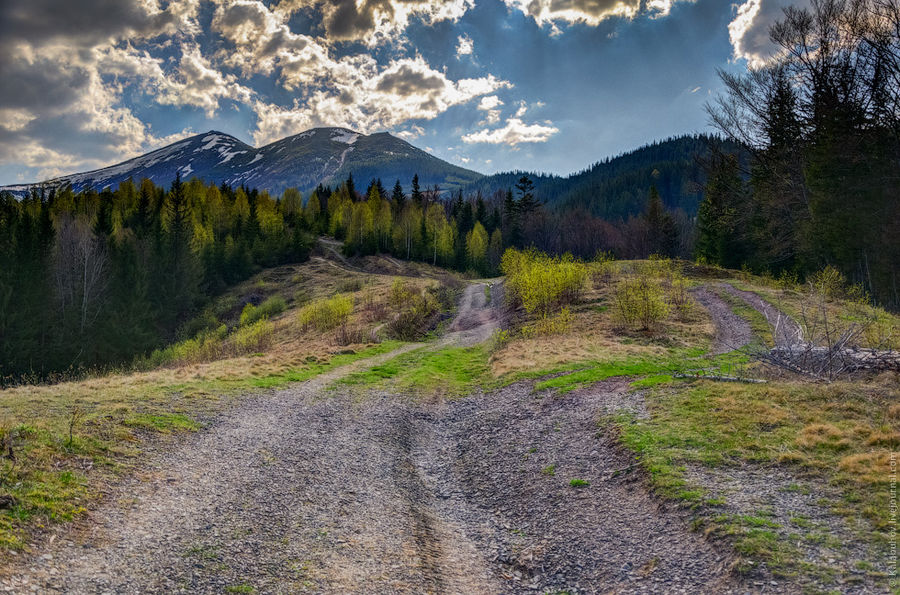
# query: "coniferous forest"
(822, 124)
(92, 279)
(805, 178)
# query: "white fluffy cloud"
(514, 133)
(749, 30)
(374, 21)
(354, 90)
(590, 12)
(69, 64)
(464, 46)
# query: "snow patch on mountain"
(348, 137)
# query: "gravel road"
(308, 490)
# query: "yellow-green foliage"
(205, 346)
(273, 306)
(829, 282)
(401, 294)
(415, 309)
(641, 302)
(253, 337)
(554, 324)
(543, 284)
(326, 314)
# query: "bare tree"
(80, 262)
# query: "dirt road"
(306, 490)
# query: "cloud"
(489, 102)
(514, 133)
(353, 90)
(589, 12)
(749, 30)
(412, 133)
(374, 22)
(464, 46)
(66, 112)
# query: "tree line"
(92, 279)
(821, 120)
(470, 233)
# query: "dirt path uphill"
(732, 331)
(314, 490)
(785, 329)
(478, 316)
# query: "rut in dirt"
(310, 490)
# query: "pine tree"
(398, 199)
(417, 197)
(661, 230)
(527, 203)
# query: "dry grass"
(594, 333)
(54, 477)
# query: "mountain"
(618, 187)
(319, 155)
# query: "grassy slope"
(62, 443)
(841, 434)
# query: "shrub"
(253, 337)
(416, 319)
(543, 284)
(350, 286)
(640, 301)
(351, 335)
(326, 314)
(205, 346)
(679, 298)
(549, 325)
(829, 282)
(273, 306)
(401, 294)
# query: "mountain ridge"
(305, 160)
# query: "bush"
(679, 298)
(549, 325)
(349, 286)
(253, 337)
(401, 294)
(205, 346)
(323, 315)
(352, 335)
(640, 301)
(414, 321)
(273, 306)
(543, 284)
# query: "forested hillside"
(92, 279)
(616, 188)
(823, 124)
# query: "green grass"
(242, 588)
(793, 425)
(579, 483)
(549, 470)
(162, 422)
(652, 381)
(658, 370)
(314, 369)
(451, 371)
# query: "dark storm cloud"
(40, 85)
(81, 23)
(406, 81)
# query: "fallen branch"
(721, 378)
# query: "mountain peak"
(324, 155)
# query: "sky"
(492, 85)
